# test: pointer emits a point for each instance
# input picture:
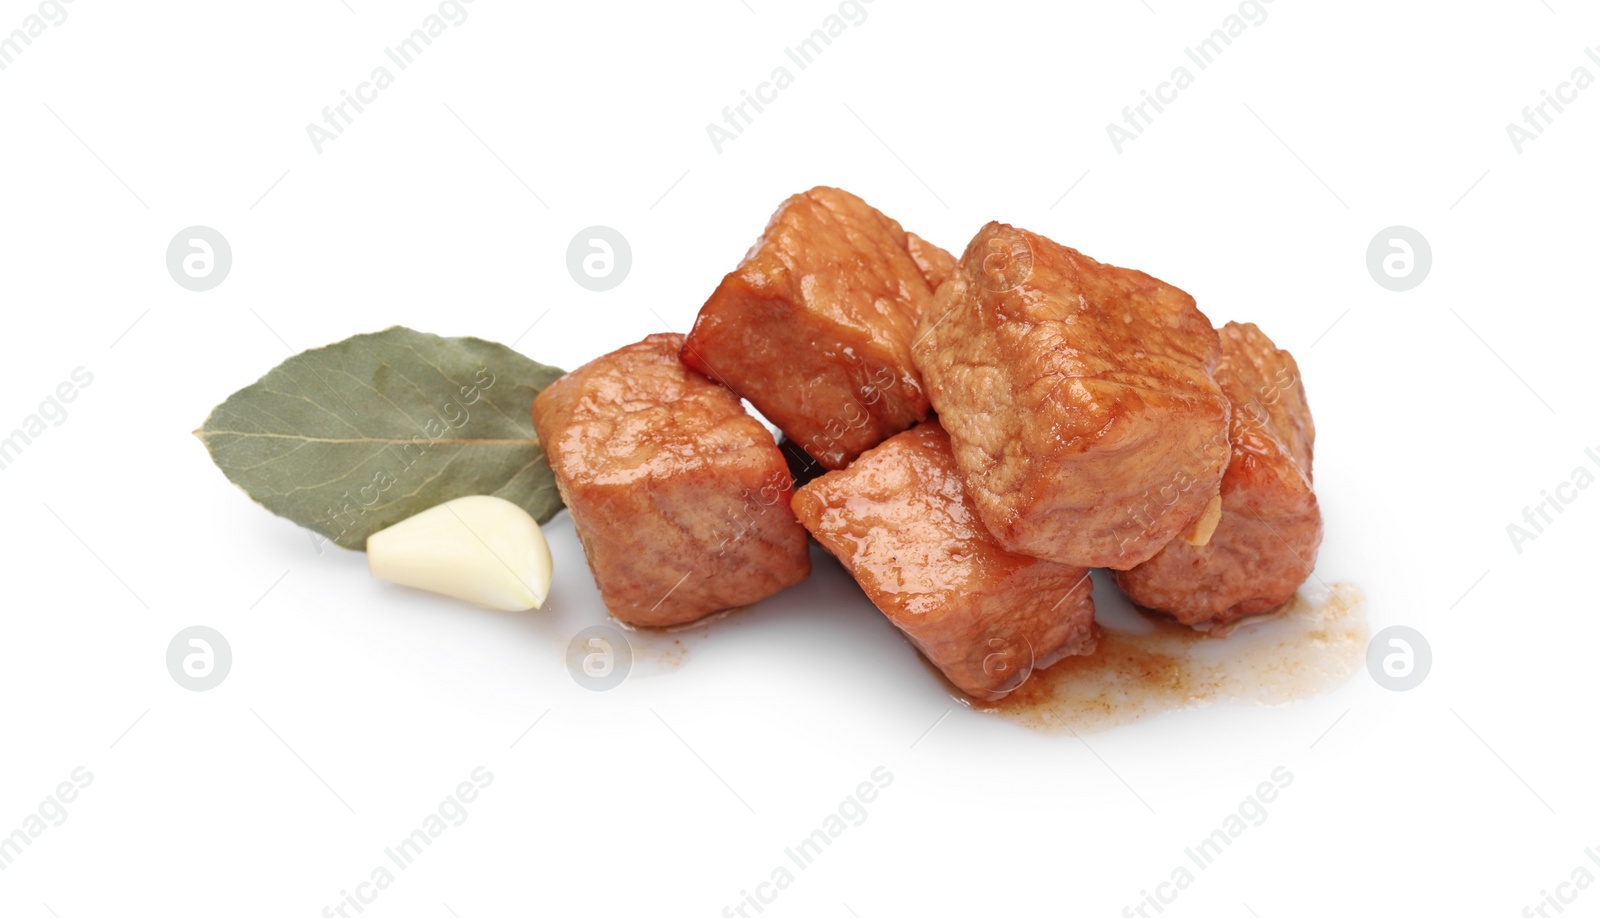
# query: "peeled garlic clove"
(482, 549)
(1200, 534)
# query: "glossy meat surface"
(1078, 397)
(815, 326)
(1266, 543)
(900, 521)
(680, 497)
(935, 263)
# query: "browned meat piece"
(1078, 397)
(815, 326)
(900, 521)
(935, 263)
(1266, 542)
(681, 499)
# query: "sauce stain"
(1147, 664)
(657, 651)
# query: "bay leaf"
(354, 437)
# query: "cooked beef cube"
(935, 263)
(1265, 544)
(680, 497)
(815, 326)
(901, 523)
(1078, 397)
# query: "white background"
(354, 707)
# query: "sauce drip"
(1148, 664)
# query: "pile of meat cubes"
(988, 429)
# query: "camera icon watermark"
(1399, 258)
(199, 258)
(1399, 658)
(199, 658)
(1008, 661)
(599, 658)
(1008, 263)
(599, 258)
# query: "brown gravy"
(1147, 664)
